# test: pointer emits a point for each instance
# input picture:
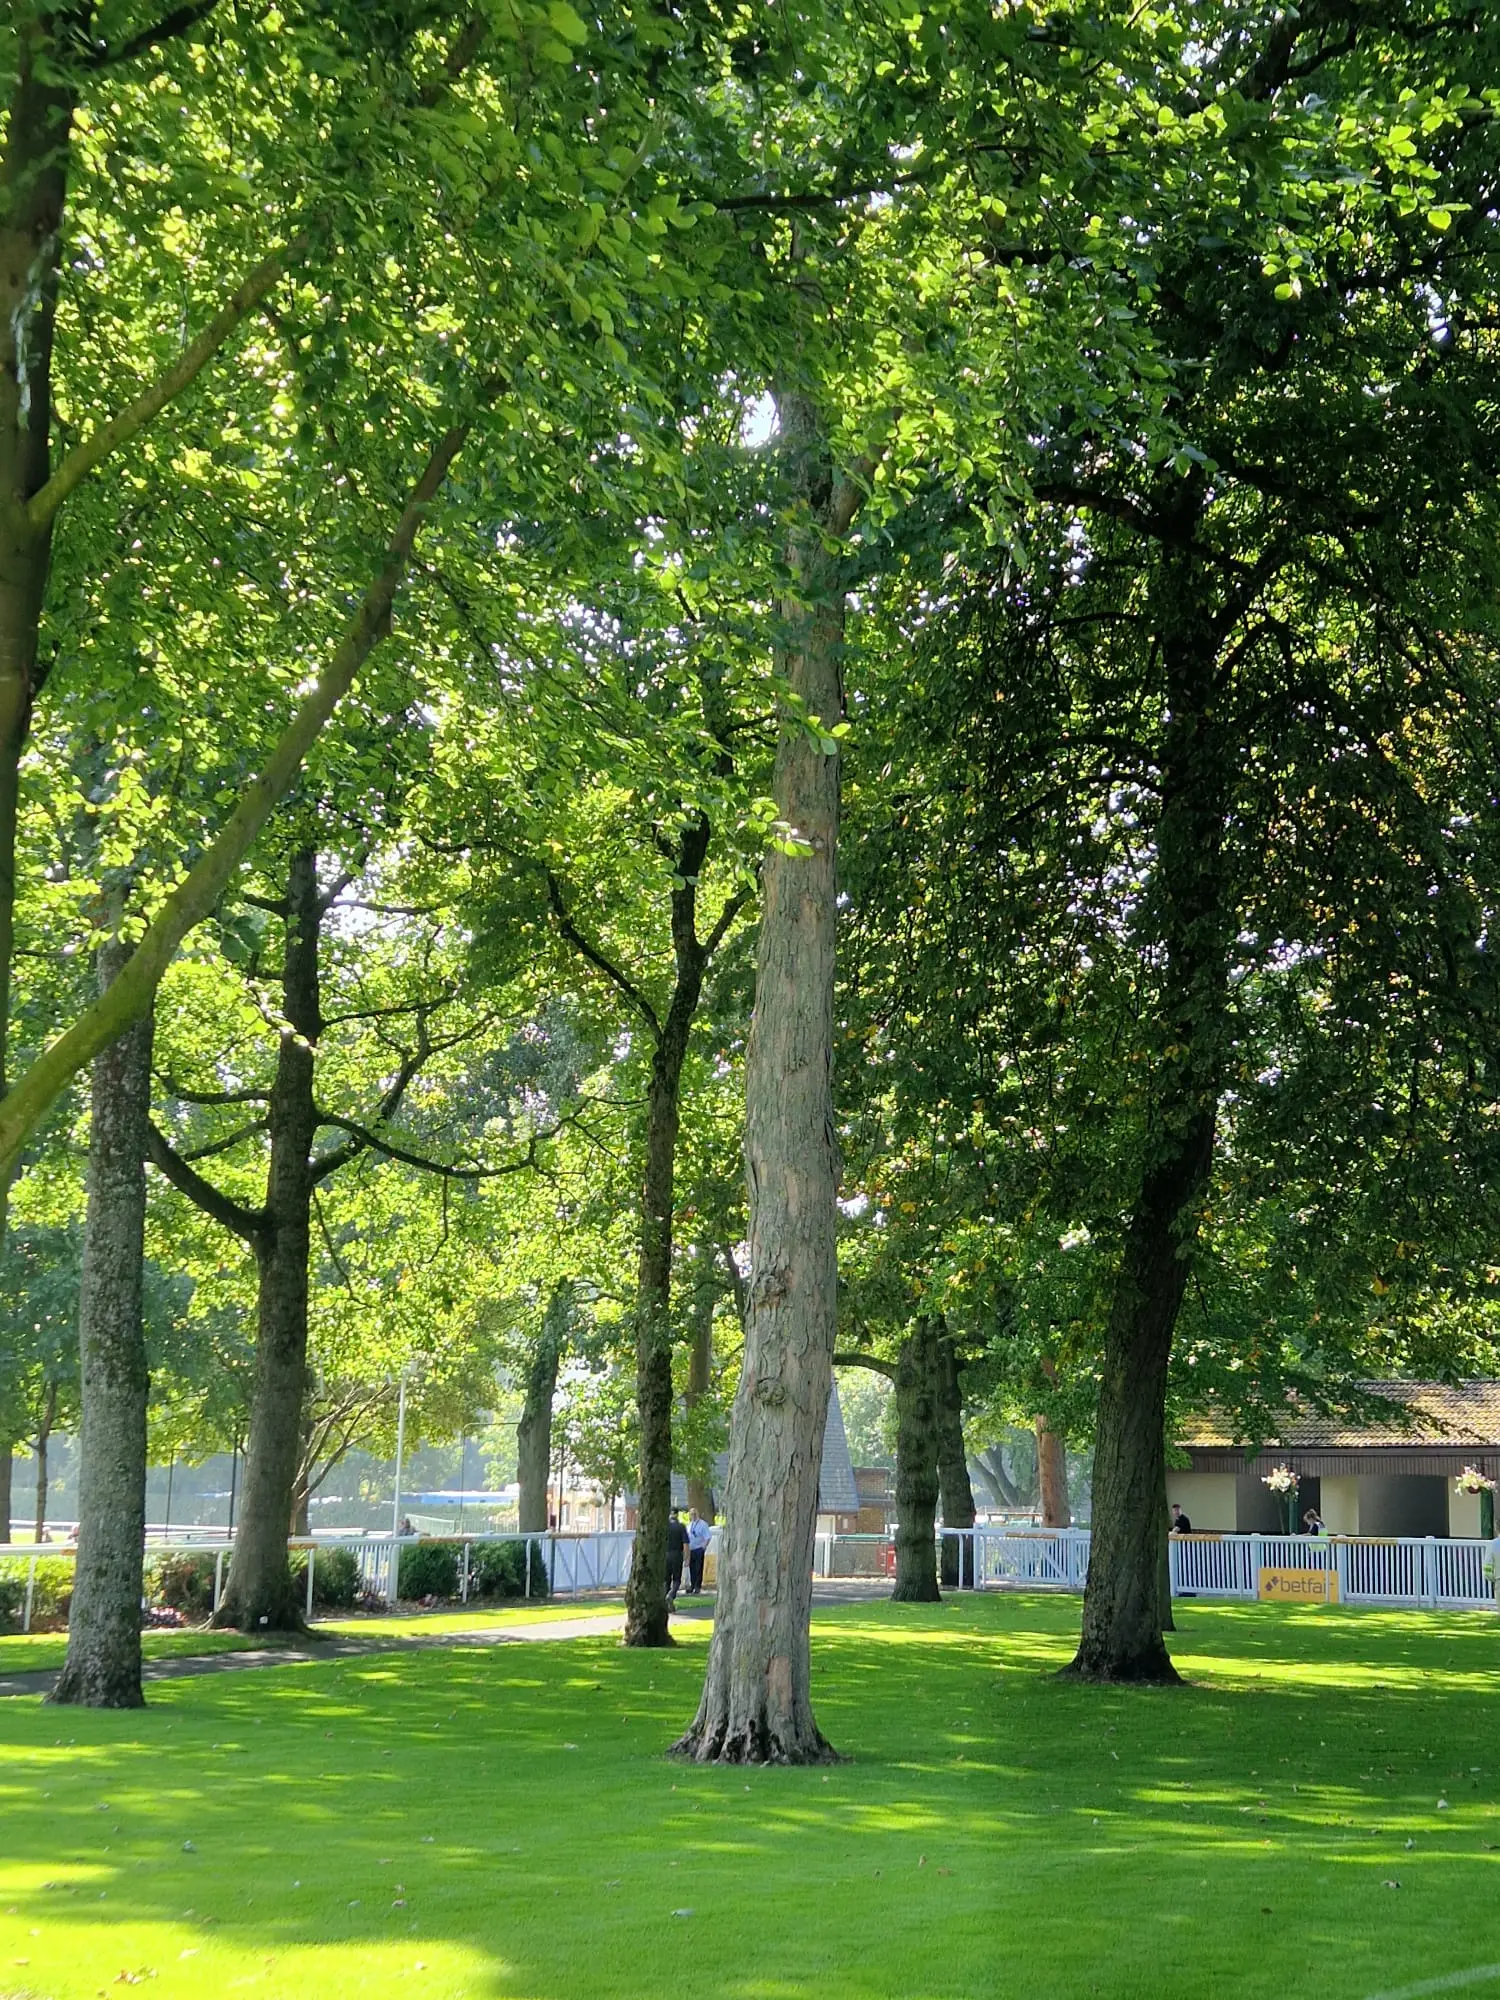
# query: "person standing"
(1181, 1525)
(699, 1535)
(677, 1541)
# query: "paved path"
(353, 1646)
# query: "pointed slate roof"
(837, 1493)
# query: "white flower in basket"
(1281, 1479)
(1472, 1480)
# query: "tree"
(103, 1666)
(756, 1705)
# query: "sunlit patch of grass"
(503, 1822)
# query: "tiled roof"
(1430, 1413)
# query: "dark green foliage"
(498, 1569)
(184, 1583)
(12, 1599)
(51, 1593)
(428, 1569)
(336, 1581)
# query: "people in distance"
(699, 1535)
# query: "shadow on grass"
(505, 1824)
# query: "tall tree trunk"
(534, 1432)
(260, 1594)
(43, 1437)
(33, 189)
(1189, 896)
(7, 1489)
(646, 1587)
(1052, 1474)
(955, 1491)
(701, 1366)
(103, 1668)
(917, 1427)
(756, 1705)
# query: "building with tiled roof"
(1390, 1470)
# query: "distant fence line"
(557, 1564)
(1419, 1572)
(1426, 1572)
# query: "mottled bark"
(1052, 1474)
(955, 1491)
(917, 1424)
(7, 1490)
(103, 1668)
(534, 1432)
(260, 1593)
(1191, 904)
(756, 1705)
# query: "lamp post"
(400, 1452)
(395, 1576)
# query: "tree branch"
(394, 1152)
(247, 1223)
(166, 30)
(125, 424)
(596, 958)
(727, 916)
(226, 1144)
(129, 994)
(185, 1096)
(886, 1368)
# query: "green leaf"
(567, 22)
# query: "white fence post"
(312, 1557)
(30, 1590)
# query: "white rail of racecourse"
(557, 1565)
(1430, 1572)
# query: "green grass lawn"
(503, 1823)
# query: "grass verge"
(503, 1823)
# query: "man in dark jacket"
(676, 1549)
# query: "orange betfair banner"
(1299, 1586)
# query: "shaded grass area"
(503, 1823)
(38, 1652)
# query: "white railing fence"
(553, 1565)
(1429, 1572)
(1421, 1571)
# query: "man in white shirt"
(699, 1536)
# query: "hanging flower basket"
(1472, 1480)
